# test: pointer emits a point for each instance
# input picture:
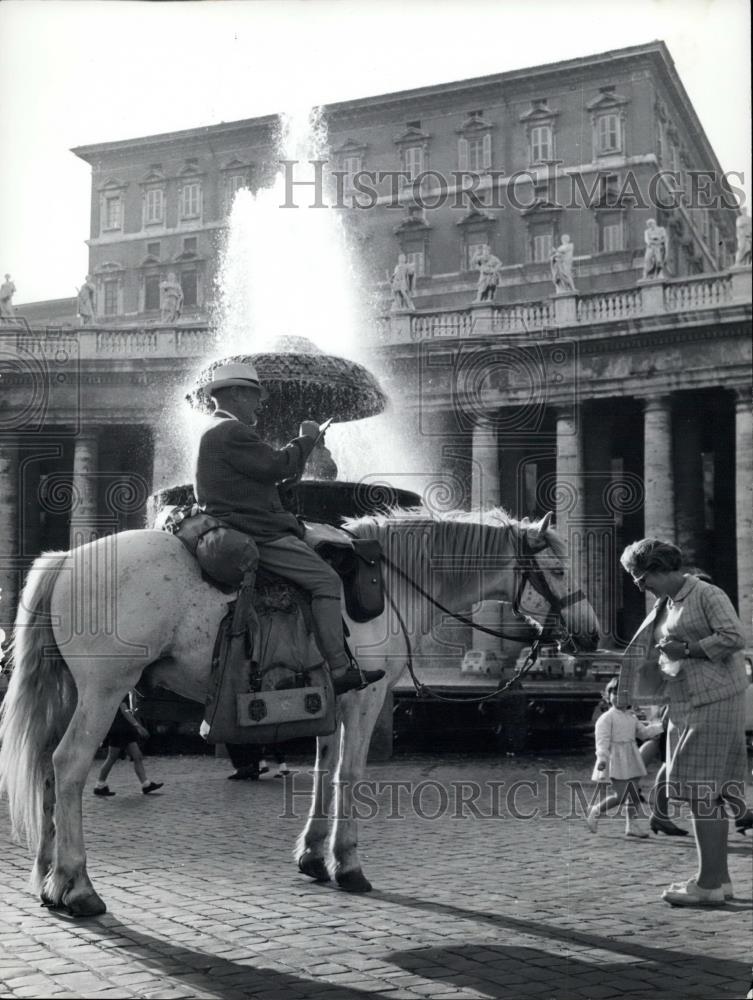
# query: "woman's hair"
(651, 554)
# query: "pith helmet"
(233, 373)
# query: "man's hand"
(309, 428)
(601, 766)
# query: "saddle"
(268, 682)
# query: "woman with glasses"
(694, 639)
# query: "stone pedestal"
(482, 314)
(652, 297)
(400, 327)
(9, 542)
(658, 479)
(85, 482)
(744, 507)
(565, 313)
(741, 283)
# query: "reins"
(423, 690)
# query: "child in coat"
(618, 761)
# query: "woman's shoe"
(691, 894)
(729, 892)
(745, 823)
(103, 791)
(666, 826)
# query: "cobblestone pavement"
(204, 899)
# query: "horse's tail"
(39, 702)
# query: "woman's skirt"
(706, 755)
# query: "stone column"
(85, 482)
(658, 478)
(169, 465)
(743, 506)
(570, 492)
(688, 474)
(8, 533)
(485, 493)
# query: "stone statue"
(87, 295)
(171, 299)
(655, 256)
(402, 284)
(7, 290)
(742, 227)
(488, 267)
(561, 263)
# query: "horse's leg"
(311, 847)
(46, 845)
(67, 884)
(360, 712)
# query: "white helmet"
(233, 373)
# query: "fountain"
(303, 381)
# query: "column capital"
(657, 403)
(743, 397)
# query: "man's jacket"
(236, 478)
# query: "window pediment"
(542, 207)
(414, 222)
(539, 113)
(474, 125)
(412, 136)
(350, 148)
(190, 170)
(109, 267)
(153, 176)
(150, 261)
(236, 164)
(607, 100)
(112, 186)
(476, 218)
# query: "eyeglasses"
(639, 581)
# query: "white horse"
(92, 621)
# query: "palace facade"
(623, 404)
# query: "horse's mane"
(465, 540)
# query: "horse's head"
(548, 570)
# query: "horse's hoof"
(90, 905)
(353, 881)
(49, 903)
(313, 866)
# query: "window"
(153, 249)
(418, 259)
(154, 206)
(151, 291)
(112, 211)
(111, 298)
(351, 165)
(611, 237)
(541, 143)
(541, 246)
(472, 250)
(189, 284)
(413, 161)
(236, 182)
(609, 133)
(189, 244)
(190, 201)
(609, 190)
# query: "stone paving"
(204, 899)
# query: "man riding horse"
(236, 480)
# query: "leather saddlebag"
(224, 554)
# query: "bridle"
(539, 634)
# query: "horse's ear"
(536, 532)
(546, 522)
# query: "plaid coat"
(699, 612)
(236, 476)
